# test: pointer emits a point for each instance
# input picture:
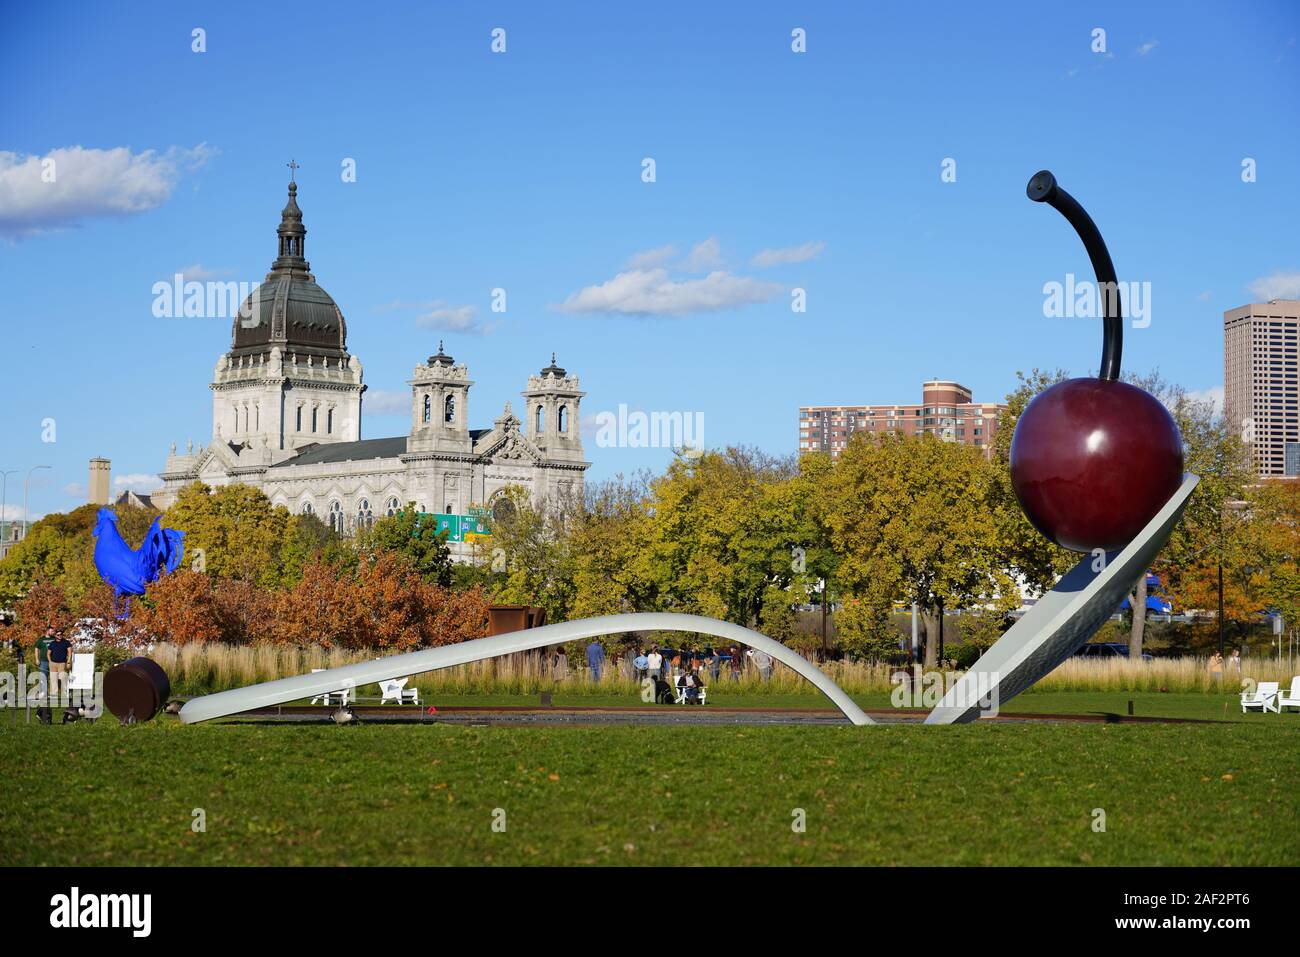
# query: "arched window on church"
(563, 425)
(449, 409)
(365, 517)
(541, 420)
(391, 507)
(306, 509)
(336, 517)
(329, 422)
(257, 417)
(245, 418)
(428, 408)
(314, 410)
(298, 426)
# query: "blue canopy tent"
(129, 571)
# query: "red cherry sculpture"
(1093, 460)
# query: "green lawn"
(391, 794)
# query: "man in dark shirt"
(60, 656)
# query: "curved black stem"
(1043, 188)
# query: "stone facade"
(286, 418)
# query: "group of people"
(1217, 664)
(691, 665)
(53, 659)
(688, 670)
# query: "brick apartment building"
(947, 409)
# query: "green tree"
(233, 531)
(909, 516)
(415, 536)
(60, 547)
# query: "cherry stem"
(1043, 188)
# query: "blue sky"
(522, 170)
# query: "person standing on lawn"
(43, 656)
(763, 662)
(737, 663)
(654, 664)
(1216, 668)
(641, 663)
(595, 659)
(59, 653)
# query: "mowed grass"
(1208, 707)
(82, 794)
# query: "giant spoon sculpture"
(1096, 465)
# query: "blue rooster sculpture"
(129, 570)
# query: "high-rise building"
(1261, 394)
(947, 409)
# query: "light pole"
(4, 500)
(26, 483)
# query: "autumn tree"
(43, 606)
(233, 531)
(909, 517)
(60, 547)
(529, 558)
(610, 537)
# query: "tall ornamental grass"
(204, 668)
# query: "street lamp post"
(26, 484)
(4, 500)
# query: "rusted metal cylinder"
(136, 690)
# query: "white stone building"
(286, 418)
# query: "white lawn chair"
(679, 691)
(396, 690)
(1264, 697)
(1290, 699)
(328, 697)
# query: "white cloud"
(443, 316)
(198, 273)
(705, 256)
(72, 184)
(1206, 296)
(1280, 285)
(136, 482)
(651, 257)
(650, 292)
(386, 402)
(13, 513)
(1212, 395)
(1147, 47)
(788, 254)
(454, 319)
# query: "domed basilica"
(286, 418)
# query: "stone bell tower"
(440, 406)
(551, 417)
